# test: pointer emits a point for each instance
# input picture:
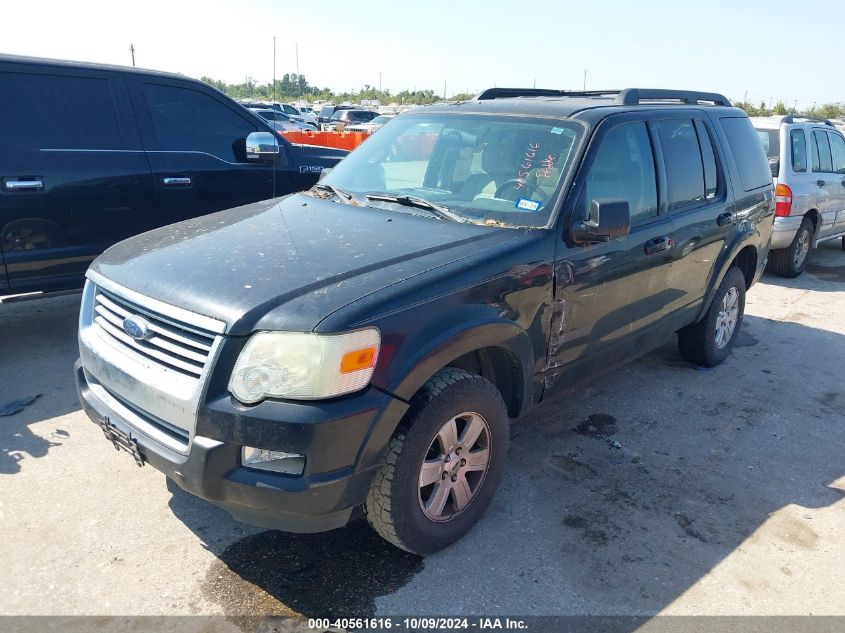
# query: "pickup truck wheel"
(790, 261)
(709, 342)
(443, 464)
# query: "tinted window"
(798, 143)
(708, 156)
(191, 121)
(821, 156)
(770, 140)
(751, 161)
(684, 168)
(837, 149)
(624, 168)
(58, 112)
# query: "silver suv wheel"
(454, 467)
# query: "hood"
(286, 263)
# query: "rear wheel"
(709, 342)
(443, 464)
(790, 261)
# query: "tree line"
(294, 87)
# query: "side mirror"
(324, 173)
(774, 165)
(262, 147)
(609, 218)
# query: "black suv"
(92, 154)
(367, 342)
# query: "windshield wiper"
(437, 210)
(344, 196)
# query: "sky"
(762, 50)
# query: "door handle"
(820, 183)
(657, 244)
(24, 184)
(725, 218)
(176, 181)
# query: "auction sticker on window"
(526, 204)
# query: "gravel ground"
(659, 489)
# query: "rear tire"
(709, 342)
(790, 261)
(435, 480)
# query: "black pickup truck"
(92, 154)
(368, 342)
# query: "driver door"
(610, 297)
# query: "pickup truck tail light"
(783, 201)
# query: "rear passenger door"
(837, 151)
(828, 183)
(697, 202)
(73, 176)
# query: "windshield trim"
(559, 196)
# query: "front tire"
(790, 261)
(709, 342)
(443, 464)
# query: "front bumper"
(339, 438)
(784, 231)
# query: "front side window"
(188, 120)
(798, 144)
(623, 169)
(487, 168)
(821, 152)
(837, 150)
(684, 167)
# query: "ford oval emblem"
(136, 327)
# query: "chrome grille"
(172, 344)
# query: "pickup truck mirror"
(774, 165)
(262, 147)
(608, 219)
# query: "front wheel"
(443, 464)
(709, 342)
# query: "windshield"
(488, 169)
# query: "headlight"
(304, 366)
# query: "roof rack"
(791, 118)
(628, 96)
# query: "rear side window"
(624, 168)
(798, 145)
(684, 166)
(58, 112)
(837, 150)
(770, 140)
(708, 156)
(188, 120)
(751, 161)
(821, 152)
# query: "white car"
(280, 122)
(370, 126)
(307, 115)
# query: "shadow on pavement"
(38, 343)
(617, 499)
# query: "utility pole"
(745, 97)
(132, 50)
(444, 88)
(379, 82)
(585, 80)
(298, 81)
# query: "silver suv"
(807, 157)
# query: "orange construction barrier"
(339, 140)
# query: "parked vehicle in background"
(369, 126)
(328, 110)
(121, 152)
(280, 121)
(308, 116)
(807, 160)
(366, 343)
(343, 118)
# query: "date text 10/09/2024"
(419, 623)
